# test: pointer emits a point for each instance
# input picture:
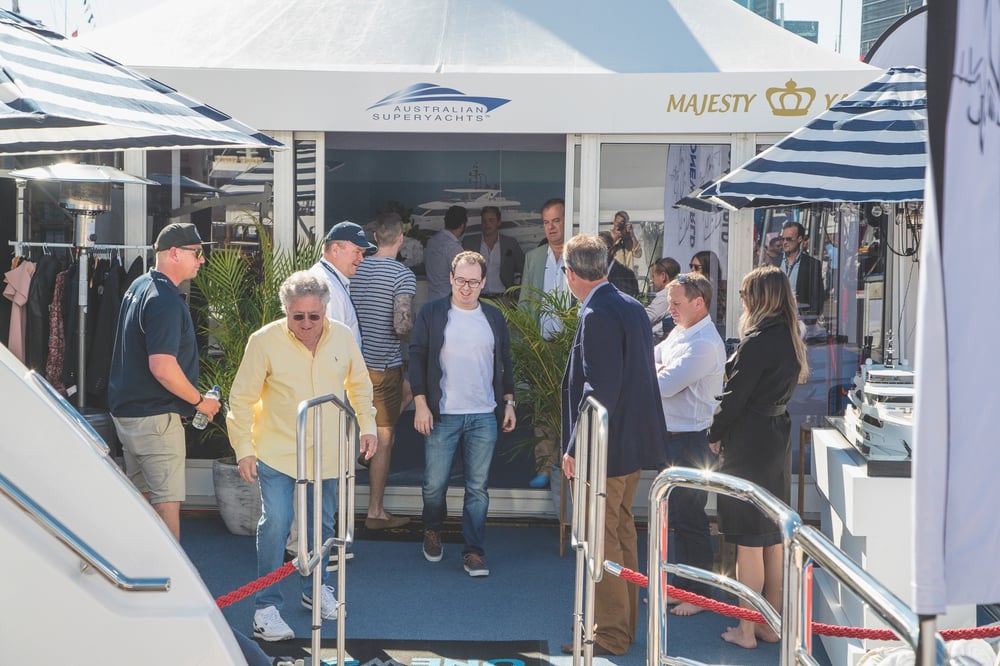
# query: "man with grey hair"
(612, 361)
(690, 365)
(344, 248)
(290, 360)
(383, 290)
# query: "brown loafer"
(390, 523)
(599, 650)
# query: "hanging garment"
(106, 322)
(57, 341)
(18, 285)
(135, 269)
(36, 344)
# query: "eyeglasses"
(313, 316)
(462, 282)
(789, 239)
(198, 252)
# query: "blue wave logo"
(423, 93)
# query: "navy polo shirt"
(154, 319)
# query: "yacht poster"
(956, 456)
(686, 231)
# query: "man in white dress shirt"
(344, 249)
(543, 272)
(690, 365)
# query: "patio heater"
(84, 191)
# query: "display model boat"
(878, 418)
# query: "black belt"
(768, 410)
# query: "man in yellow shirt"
(287, 361)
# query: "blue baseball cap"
(348, 231)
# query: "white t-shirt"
(467, 363)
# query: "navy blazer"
(612, 360)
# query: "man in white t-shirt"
(463, 387)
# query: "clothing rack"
(82, 295)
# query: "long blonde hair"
(766, 294)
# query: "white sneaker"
(332, 563)
(268, 625)
(328, 603)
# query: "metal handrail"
(309, 561)
(72, 416)
(91, 558)
(801, 545)
(587, 536)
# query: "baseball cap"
(348, 231)
(178, 234)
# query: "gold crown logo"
(790, 100)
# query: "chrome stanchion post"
(318, 558)
(579, 536)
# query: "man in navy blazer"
(612, 360)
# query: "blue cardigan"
(427, 339)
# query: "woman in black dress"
(752, 426)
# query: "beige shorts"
(155, 450)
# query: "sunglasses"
(198, 252)
(789, 239)
(694, 267)
(299, 316)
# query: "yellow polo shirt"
(276, 374)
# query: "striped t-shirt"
(373, 289)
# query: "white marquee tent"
(585, 73)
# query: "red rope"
(255, 585)
(818, 627)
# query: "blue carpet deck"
(393, 593)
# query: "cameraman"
(626, 247)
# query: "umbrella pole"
(81, 362)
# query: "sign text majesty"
(710, 103)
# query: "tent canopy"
(442, 36)
(503, 66)
(868, 147)
(58, 96)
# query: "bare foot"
(685, 609)
(735, 636)
(765, 633)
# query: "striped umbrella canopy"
(870, 146)
(56, 96)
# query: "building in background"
(877, 16)
(773, 11)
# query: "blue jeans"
(478, 432)
(277, 494)
(692, 543)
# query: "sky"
(68, 15)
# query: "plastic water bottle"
(200, 420)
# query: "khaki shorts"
(155, 450)
(387, 395)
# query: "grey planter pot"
(238, 501)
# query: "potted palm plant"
(236, 294)
(539, 362)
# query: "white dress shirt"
(341, 307)
(555, 280)
(690, 368)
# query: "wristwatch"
(510, 402)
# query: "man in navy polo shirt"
(154, 373)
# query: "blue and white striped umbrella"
(56, 96)
(870, 146)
